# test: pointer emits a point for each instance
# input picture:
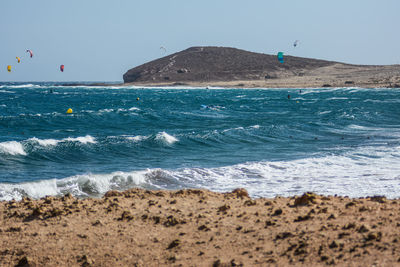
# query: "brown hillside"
(204, 64)
(231, 67)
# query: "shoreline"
(252, 84)
(197, 227)
(256, 84)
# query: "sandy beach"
(199, 228)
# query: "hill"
(224, 66)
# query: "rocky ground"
(199, 228)
(337, 75)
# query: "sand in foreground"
(199, 228)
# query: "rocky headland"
(231, 67)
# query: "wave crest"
(12, 148)
(166, 138)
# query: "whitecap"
(82, 139)
(82, 185)
(106, 110)
(356, 173)
(324, 112)
(232, 129)
(337, 98)
(31, 189)
(12, 148)
(45, 142)
(137, 138)
(166, 138)
(6, 91)
(24, 86)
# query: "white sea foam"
(166, 138)
(52, 142)
(45, 142)
(6, 91)
(98, 184)
(136, 138)
(79, 185)
(394, 100)
(366, 128)
(367, 171)
(363, 172)
(32, 189)
(106, 110)
(233, 129)
(17, 148)
(337, 98)
(12, 148)
(324, 112)
(21, 86)
(82, 139)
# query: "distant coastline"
(235, 68)
(249, 84)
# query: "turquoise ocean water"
(343, 141)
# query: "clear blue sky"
(98, 40)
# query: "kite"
(280, 57)
(30, 52)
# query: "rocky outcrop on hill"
(205, 64)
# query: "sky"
(99, 40)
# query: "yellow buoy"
(9, 68)
(69, 111)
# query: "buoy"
(137, 99)
(69, 111)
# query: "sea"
(272, 142)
